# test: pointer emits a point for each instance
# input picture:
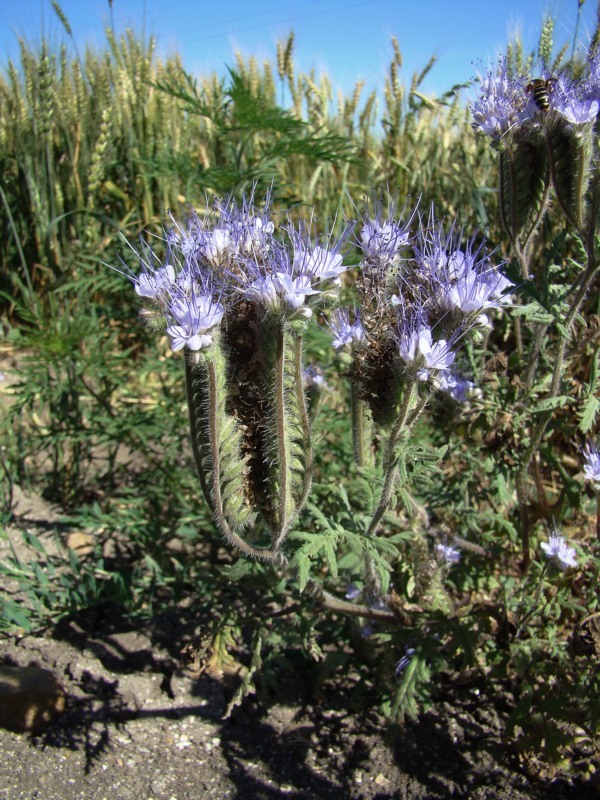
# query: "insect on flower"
(539, 88)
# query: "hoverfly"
(539, 87)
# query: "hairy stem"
(392, 459)
(213, 438)
(285, 501)
(190, 363)
(305, 423)
(358, 426)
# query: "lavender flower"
(383, 242)
(572, 102)
(214, 241)
(254, 236)
(155, 284)
(502, 103)
(508, 101)
(474, 292)
(319, 263)
(184, 241)
(344, 331)
(416, 346)
(262, 291)
(188, 277)
(460, 280)
(446, 553)
(217, 247)
(557, 550)
(437, 254)
(403, 663)
(280, 292)
(274, 285)
(383, 239)
(353, 592)
(293, 290)
(193, 316)
(251, 228)
(577, 112)
(313, 378)
(459, 389)
(591, 465)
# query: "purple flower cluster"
(573, 100)
(283, 281)
(421, 289)
(591, 464)
(227, 233)
(507, 101)
(463, 281)
(447, 554)
(417, 348)
(558, 551)
(192, 316)
(501, 103)
(189, 301)
(275, 285)
(346, 333)
(228, 256)
(313, 378)
(323, 265)
(383, 237)
(461, 390)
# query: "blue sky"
(347, 39)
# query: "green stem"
(536, 602)
(557, 374)
(359, 443)
(392, 460)
(284, 517)
(305, 423)
(539, 334)
(190, 363)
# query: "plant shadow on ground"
(129, 704)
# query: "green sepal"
(571, 157)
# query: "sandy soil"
(138, 727)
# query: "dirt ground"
(138, 727)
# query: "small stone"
(30, 698)
(81, 543)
